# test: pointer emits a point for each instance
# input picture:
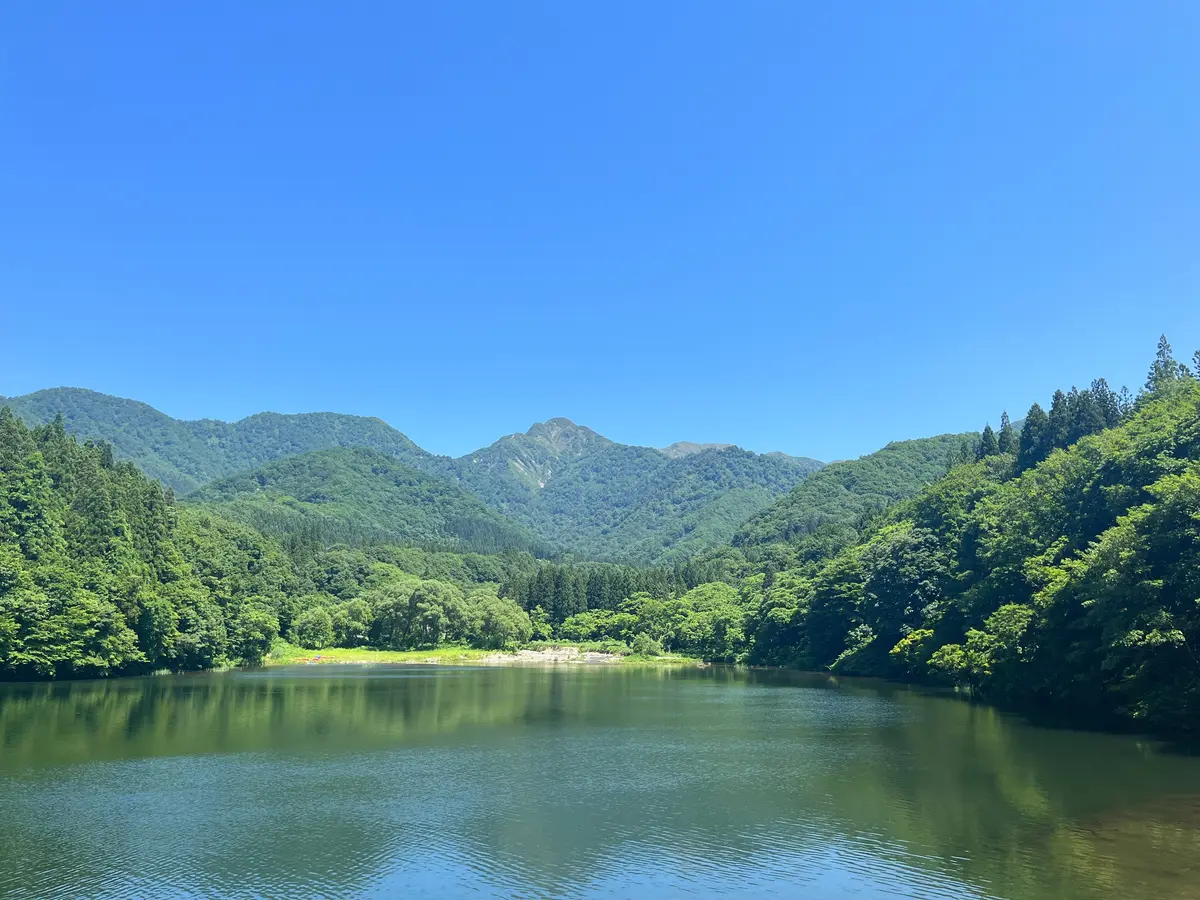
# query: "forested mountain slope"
(1055, 571)
(357, 495)
(186, 454)
(632, 503)
(621, 503)
(509, 473)
(826, 508)
(569, 486)
(101, 572)
(1060, 573)
(577, 489)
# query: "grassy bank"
(558, 653)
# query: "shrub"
(644, 645)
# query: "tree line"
(103, 571)
(1054, 566)
(1055, 570)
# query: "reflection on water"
(577, 782)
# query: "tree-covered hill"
(578, 490)
(1054, 570)
(628, 504)
(100, 571)
(569, 486)
(509, 474)
(186, 454)
(357, 495)
(829, 505)
(1057, 570)
(634, 504)
(103, 572)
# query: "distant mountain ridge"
(576, 489)
(686, 448)
(562, 483)
(184, 455)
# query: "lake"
(576, 781)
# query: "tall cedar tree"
(1164, 369)
(1033, 437)
(1007, 441)
(988, 445)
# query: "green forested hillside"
(1061, 574)
(100, 571)
(358, 495)
(620, 503)
(185, 455)
(683, 448)
(516, 466)
(103, 572)
(634, 504)
(569, 486)
(826, 508)
(1054, 570)
(580, 491)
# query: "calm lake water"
(388, 781)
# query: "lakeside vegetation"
(1051, 568)
(102, 571)
(284, 653)
(1057, 570)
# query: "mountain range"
(558, 485)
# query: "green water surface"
(340, 781)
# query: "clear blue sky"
(812, 227)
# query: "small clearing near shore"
(289, 654)
(552, 655)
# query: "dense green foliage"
(185, 455)
(633, 504)
(1055, 567)
(1069, 585)
(571, 488)
(827, 509)
(578, 490)
(356, 495)
(100, 572)
(562, 590)
(707, 621)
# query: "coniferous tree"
(1032, 442)
(1125, 401)
(1084, 415)
(1196, 364)
(1007, 440)
(1164, 370)
(1108, 404)
(988, 445)
(1059, 424)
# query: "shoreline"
(559, 655)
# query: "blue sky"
(813, 227)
